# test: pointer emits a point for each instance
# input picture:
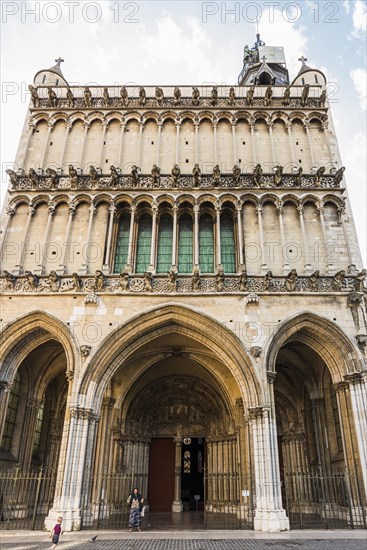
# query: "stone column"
(10, 211)
(122, 134)
(177, 502)
(306, 124)
(5, 389)
(269, 515)
(215, 126)
(92, 211)
(259, 212)
(286, 266)
(196, 127)
(107, 264)
(252, 127)
(320, 210)
(86, 126)
(154, 238)
(318, 416)
(325, 126)
(233, 125)
(239, 206)
(23, 250)
(270, 127)
(341, 217)
(141, 126)
(103, 147)
(130, 253)
(50, 127)
(174, 237)
(308, 266)
(196, 234)
(291, 146)
(51, 212)
(72, 210)
(68, 126)
(178, 126)
(218, 258)
(31, 129)
(28, 430)
(159, 132)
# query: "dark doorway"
(161, 474)
(192, 476)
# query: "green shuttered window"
(227, 244)
(122, 245)
(185, 244)
(206, 244)
(144, 243)
(165, 236)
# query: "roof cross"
(263, 59)
(303, 59)
(60, 60)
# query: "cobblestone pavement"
(198, 544)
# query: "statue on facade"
(195, 96)
(10, 281)
(31, 282)
(278, 175)
(314, 278)
(177, 96)
(257, 173)
(106, 97)
(231, 96)
(52, 97)
(214, 95)
(135, 174)
(148, 281)
(52, 283)
(123, 283)
(73, 176)
(142, 96)
(195, 280)
(287, 96)
(159, 96)
(172, 280)
(124, 96)
(99, 281)
(175, 173)
(236, 171)
(339, 175)
(318, 175)
(72, 284)
(13, 177)
(33, 178)
(52, 175)
(219, 280)
(339, 280)
(34, 96)
(216, 175)
(291, 280)
(88, 100)
(322, 99)
(196, 175)
(359, 281)
(268, 96)
(250, 96)
(243, 280)
(70, 97)
(156, 174)
(114, 175)
(298, 178)
(93, 174)
(305, 94)
(267, 281)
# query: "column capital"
(86, 125)
(259, 209)
(51, 207)
(92, 209)
(5, 386)
(33, 404)
(72, 209)
(10, 210)
(300, 210)
(341, 387)
(133, 209)
(80, 413)
(355, 378)
(196, 209)
(254, 413)
(271, 375)
(154, 208)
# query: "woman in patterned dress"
(135, 502)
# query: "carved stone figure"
(278, 174)
(74, 283)
(93, 174)
(268, 96)
(33, 178)
(52, 175)
(243, 280)
(31, 283)
(196, 175)
(123, 283)
(159, 96)
(314, 278)
(85, 350)
(175, 173)
(34, 96)
(356, 302)
(214, 96)
(219, 280)
(287, 96)
(236, 173)
(250, 96)
(52, 283)
(124, 96)
(291, 280)
(172, 279)
(10, 281)
(305, 94)
(106, 97)
(99, 281)
(114, 175)
(73, 175)
(338, 280)
(298, 178)
(267, 281)
(216, 175)
(13, 177)
(135, 174)
(359, 281)
(257, 173)
(195, 96)
(70, 97)
(232, 96)
(177, 96)
(195, 280)
(52, 97)
(322, 99)
(339, 175)
(156, 173)
(88, 100)
(148, 281)
(142, 96)
(319, 173)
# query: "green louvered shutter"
(227, 244)
(165, 236)
(122, 245)
(143, 244)
(185, 244)
(206, 244)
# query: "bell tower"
(263, 65)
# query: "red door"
(161, 474)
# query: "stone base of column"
(308, 269)
(330, 269)
(264, 269)
(177, 506)
(70, 519)
(271, 521)
(151, 269)
(106, 269)
(286, 269)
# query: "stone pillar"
(286, 266)
(233, 125)
(122, 133)
(320, 210)
(72, 210)
(270, 126)
(130, 253)
(5, 389)
(92, 211)
(23, 250)
(291, 146)
(154, 238)
(177, 502)
(107, 264)
(86, 126)
(325, 126)
(51, 212)
(215, 126)
(196, 234)
(240, 234)
(31, 129)
(318, 416)
(141, 125)
(252, 127)
(28, 427)
(68, 126)
(174, 237)
(196, 126)
(218, 258)
(103, 147)
(341, 217)
(178, 126)
(10, 211)
(159, 132)
(50, 127)
(308, 266)
(306, 125)
(269, 515)
(263, 265)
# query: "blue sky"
(188, 42)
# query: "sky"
(188, 42)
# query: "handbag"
(142, 513)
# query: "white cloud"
(359, 18)
(359, 77)
(346, 5)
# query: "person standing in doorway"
(135, 501)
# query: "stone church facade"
(183, 303)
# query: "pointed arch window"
(143, 243)
(185, 244)
(38, 428)
(227, 243)
(122, 243)
(165, 237)
(206, 244)
(11, 414)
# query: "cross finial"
(263, 59)
(60, 60)
(303, 59)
